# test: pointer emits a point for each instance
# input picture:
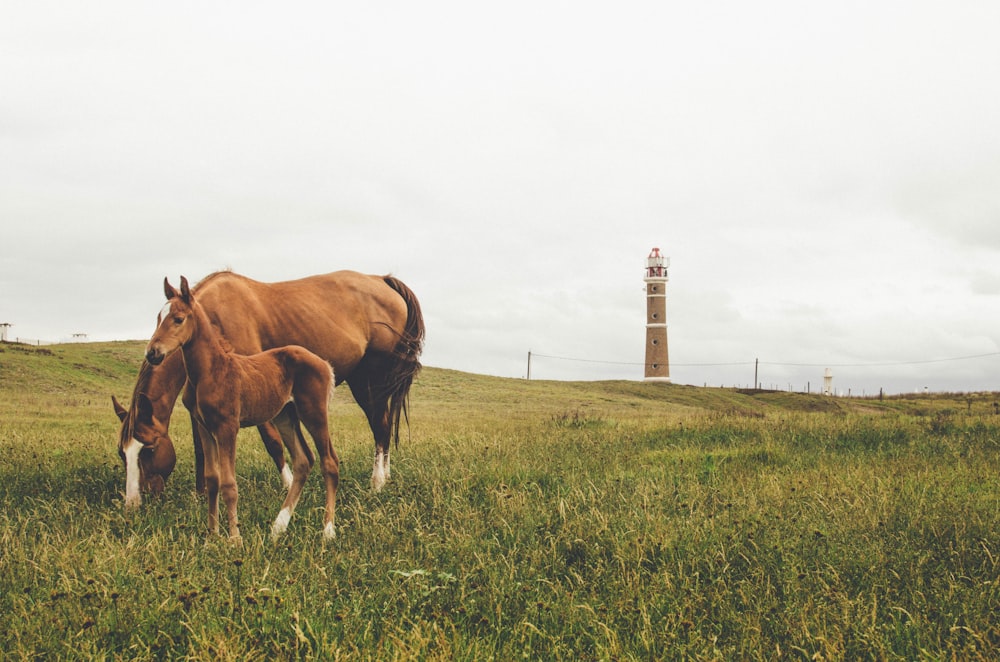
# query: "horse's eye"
(178, 320)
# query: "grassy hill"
(536, 520)
(95, 370)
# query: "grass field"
(524, 520)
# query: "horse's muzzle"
(154, 356)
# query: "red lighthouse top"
(656, 264)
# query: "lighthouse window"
(656, 366)
(655, 341)
(653, 288)
(655, 315)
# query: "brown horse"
(370, 328)
(288, 384)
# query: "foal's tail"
(406, 355)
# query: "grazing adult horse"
(288, 384)
(369, 328)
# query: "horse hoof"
(329, 531)
(280, 523)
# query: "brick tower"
(657, 358)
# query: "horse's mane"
(142, 381)
(213, 276)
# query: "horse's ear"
(144, 407)
(185, 290)
(168, 289)
(119, 410)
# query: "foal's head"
(175, 325)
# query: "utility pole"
(529, 365)
(755, 364)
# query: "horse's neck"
(204, 354)
(162, 385)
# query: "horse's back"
(300, 360)
(339, 316)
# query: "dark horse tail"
(406, 358)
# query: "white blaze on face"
(163, 313)
(133, 497)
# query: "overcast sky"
(825, 177)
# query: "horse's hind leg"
(312, 409)
(330, 464)
(287, 424)
(374, 400)
(273, 443)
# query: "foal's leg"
(288, 426)
(227, 478)
(314, 417)
(220, 476)
(210, 477)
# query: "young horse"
(370, 329)
(231, 391)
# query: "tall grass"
(523, 521)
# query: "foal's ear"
(185, 290)
(168, 289)
(119, 410)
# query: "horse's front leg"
(198, 434)
(211, 479)
(199, 458)
(227, 478)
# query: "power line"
(883, 365)
(779, 363)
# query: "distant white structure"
(828, 382)
(3, 330)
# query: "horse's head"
(175, 324)
(145, 449)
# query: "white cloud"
(822, 177)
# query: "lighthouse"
(657, 358)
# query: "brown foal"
(287, 384)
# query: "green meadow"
(524, 520)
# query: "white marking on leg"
(388, 470)
(378, 472)
(133, 497)
(286, 477)
(329, 531)
(281, 523)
